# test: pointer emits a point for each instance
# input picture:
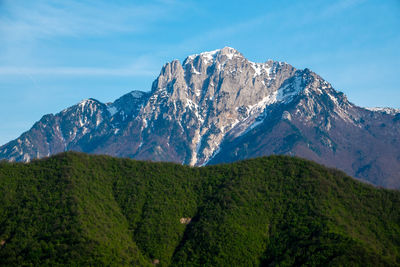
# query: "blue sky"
(55, 53)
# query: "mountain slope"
(220, 107)
(322, 125)
(76, 209)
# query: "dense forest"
(78, 209)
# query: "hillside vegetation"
(75, 209)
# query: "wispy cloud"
(203, 39)
(340, 6)
(29, 27)
(44, 19)
(144, 65)
(231, 29)
(84, 71)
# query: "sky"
(54, 54)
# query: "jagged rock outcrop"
(220, 107)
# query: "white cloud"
(29, 27)
(44, 19)
(144, 65)
(340, 6)
(202, 40)
(84, 71)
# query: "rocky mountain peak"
(218, 106)
(212, 92)
(226, 53)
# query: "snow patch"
(284, 94)
(144, 124)
(287, 93)
(334, 100)
(389, 111)
(254, 125)
(207, 56)
(198, 146)
(194, 71)
(210, 56)
(267, 100)
(27, 158)
(81, 122)
(191, 104)
(230, 55)
(137, 94)
(99, 119)
(286, 116)
(113, 110)
(260, 68)
(212, 156)
(86, 102)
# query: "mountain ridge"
(215, 100)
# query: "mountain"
(220, 107)
(85, 210)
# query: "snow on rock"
(113, 110)
(286, 115)
(216, 151)
(194, 71)
(211, 56)
(288, 92)
(88, 103)
(27, 158)
(206, 56)
(137, 94)
(260, 68)
(389, 111)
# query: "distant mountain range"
(220, 107)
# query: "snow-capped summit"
(211, 56)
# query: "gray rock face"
(220, 107)
(209, 95)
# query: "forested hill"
(76, 209)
